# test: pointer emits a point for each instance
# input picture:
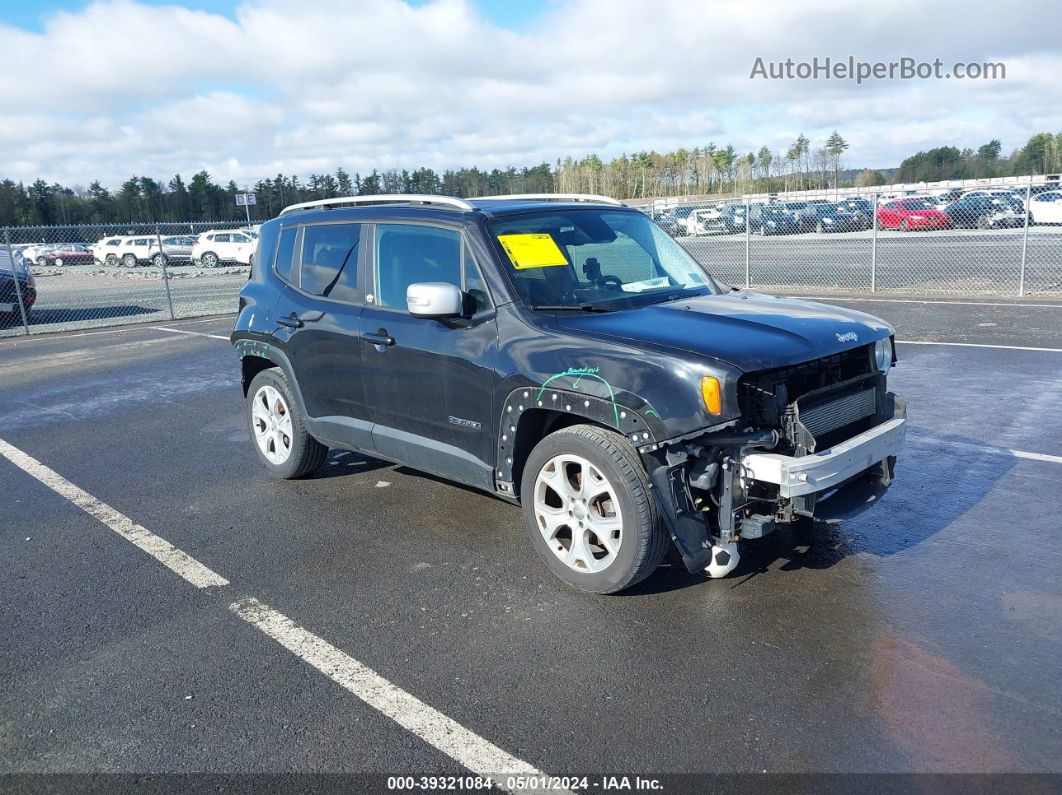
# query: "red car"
(74, 254)
(908, 214)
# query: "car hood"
(750, 331)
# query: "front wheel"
(587, 505)
(209, 260)
(279, 434)
(159, 260)
(129, 260)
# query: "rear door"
(318, 316)
(429, 384)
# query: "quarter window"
(330, 259)
(286, 252)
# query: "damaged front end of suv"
(814, 439)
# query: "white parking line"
(465, 747)
(462, 745)
(163, 551)
(985, 448)
(980, 345)
(194, 333)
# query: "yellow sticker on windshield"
(532, 250)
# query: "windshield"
(595, 259)
(919, 204)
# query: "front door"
(429, 384)
(318, 317)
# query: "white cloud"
(121, 88)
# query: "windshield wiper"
(571, 308)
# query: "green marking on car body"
(579, 373)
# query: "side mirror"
(434, 299)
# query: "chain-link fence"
(987, 240)
(68, 277)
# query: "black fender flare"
(271, 353)
(633, 417)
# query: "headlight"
(883, 354)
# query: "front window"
(411, 253)
(595, 259)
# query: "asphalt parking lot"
(922, 636)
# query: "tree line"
(710, 169)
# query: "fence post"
(1025, 241)
(165, 274)
(748, 281)
(14, 278)
(874, 247)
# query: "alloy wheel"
(271, 422)
(578, 514)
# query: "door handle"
(380, 337)
(291, 321)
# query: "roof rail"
(575, 197)
(405, 198)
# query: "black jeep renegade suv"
(563, 353)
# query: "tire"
(1032, 220)
(304, 454)
(111, 260)
(623, 496)
(129, 260)
(982, 222)
(42, 261)
(905, 225)
(819, 228)
(209, 260)
(58, 262)
(159, 260)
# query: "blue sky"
(111, 88)
(511, 14)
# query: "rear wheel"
(279, 434)
(820, 228)
(587, 506)
(58, 261)
(905, 225)
(129, 260)
(112, 260)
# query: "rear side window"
(286, 252)
(407, 254)
(330, 259)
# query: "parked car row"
(957, 209)
(209, 249)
